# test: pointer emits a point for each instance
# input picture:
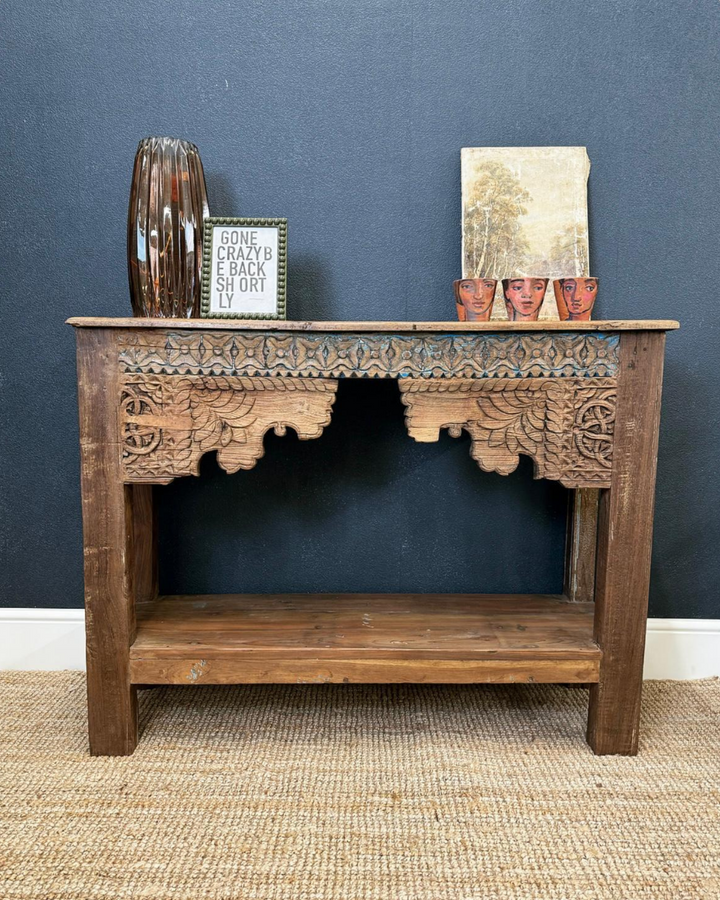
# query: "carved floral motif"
(184, 394)
(510, 421)
(566, 426)
(474, 355)
(168, 422)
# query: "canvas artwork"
(524, 212)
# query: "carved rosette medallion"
(566, 426)
(167, 423)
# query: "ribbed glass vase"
(168, 203)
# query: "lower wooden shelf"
(363, 638)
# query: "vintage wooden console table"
(581, 399)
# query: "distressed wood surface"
(363, 637)
(184, 395)
(453, 326)
(624, 548)
(112, 570)
(504, 626)
(564, 425)
(581, 401)
(168, 423)
(145, 538)
(284, 670)
(368, 355)
(581, 545)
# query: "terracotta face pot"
(524, 297)
(474, 298)
(575, 298)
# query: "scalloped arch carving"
(168, 423)
(565, 425)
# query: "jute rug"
(358, 793)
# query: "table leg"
(624, 548)
(110, 572)
(581, 545)
(145, 536)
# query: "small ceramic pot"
(575, 298)
(474, 298)
(523, 297)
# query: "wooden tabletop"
(365, 327)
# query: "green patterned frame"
(208, 227)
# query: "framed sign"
(244, 268)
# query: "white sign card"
(244, 268)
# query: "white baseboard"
(42, 639)
(681, 649)
(50, 639)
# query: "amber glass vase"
(168, 203)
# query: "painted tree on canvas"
(568, 252)
(492, 211)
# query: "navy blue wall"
(348, 118)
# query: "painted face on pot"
(524, 297)
(475, 296)
(577, 295)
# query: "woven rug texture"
(410, 792)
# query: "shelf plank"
(235, 638)
(369, 327)
(198, 670)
